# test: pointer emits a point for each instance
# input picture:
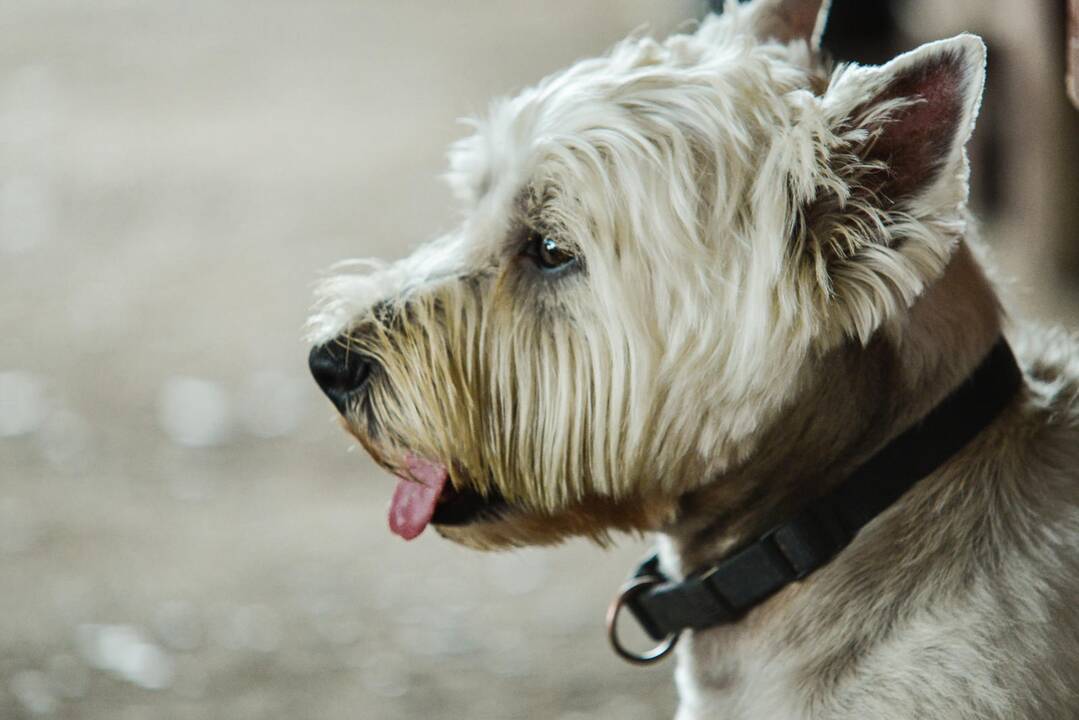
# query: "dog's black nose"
(340, 371)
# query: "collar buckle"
(634, 587)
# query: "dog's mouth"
(463, 507)
(425, 495)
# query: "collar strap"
(724, 592)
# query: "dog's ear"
(789, 20)
(918, 117)
(881, 220)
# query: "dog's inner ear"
(789, 20)
(916, 124)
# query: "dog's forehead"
(625, 93)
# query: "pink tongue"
(416, 496)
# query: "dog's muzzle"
(340, 371)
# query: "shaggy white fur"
(695, 282)
(697, 157)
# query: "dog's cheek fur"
(512, 396)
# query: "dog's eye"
(547, 252)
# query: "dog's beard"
(427, 495)
(501, 427)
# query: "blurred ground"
(183, 533)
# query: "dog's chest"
(714, 682)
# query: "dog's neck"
(856, 400)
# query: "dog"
(704, 288)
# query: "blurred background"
(184, 530)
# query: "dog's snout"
(340, 371)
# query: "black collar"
(724, 592)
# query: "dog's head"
(654, 243)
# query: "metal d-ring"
(629, 591)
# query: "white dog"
(718, 289)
